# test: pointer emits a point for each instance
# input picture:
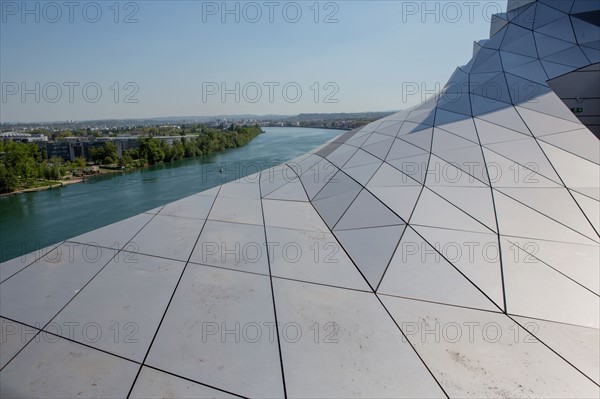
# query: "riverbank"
(52, 184)
(25, 169)
(34, 167)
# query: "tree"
(8, 180)
(178, 150)
(105, 154)
(125, 160)
(110, 151)
(96, 154)
(134, 153)
(151, 151)
(190, 149)
(79, 162)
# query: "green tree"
(110, 151)
(151, 150)
(105, 154)
(79, 162)
(8, 180)
(125, 160)
(96, 154)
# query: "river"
(31, 221)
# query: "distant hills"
(301, 119)
(237, 117)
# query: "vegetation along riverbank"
(25, 167)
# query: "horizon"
(196, 116)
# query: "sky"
(71, 60)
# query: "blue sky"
(175, 58)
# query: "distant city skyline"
(92, 61)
